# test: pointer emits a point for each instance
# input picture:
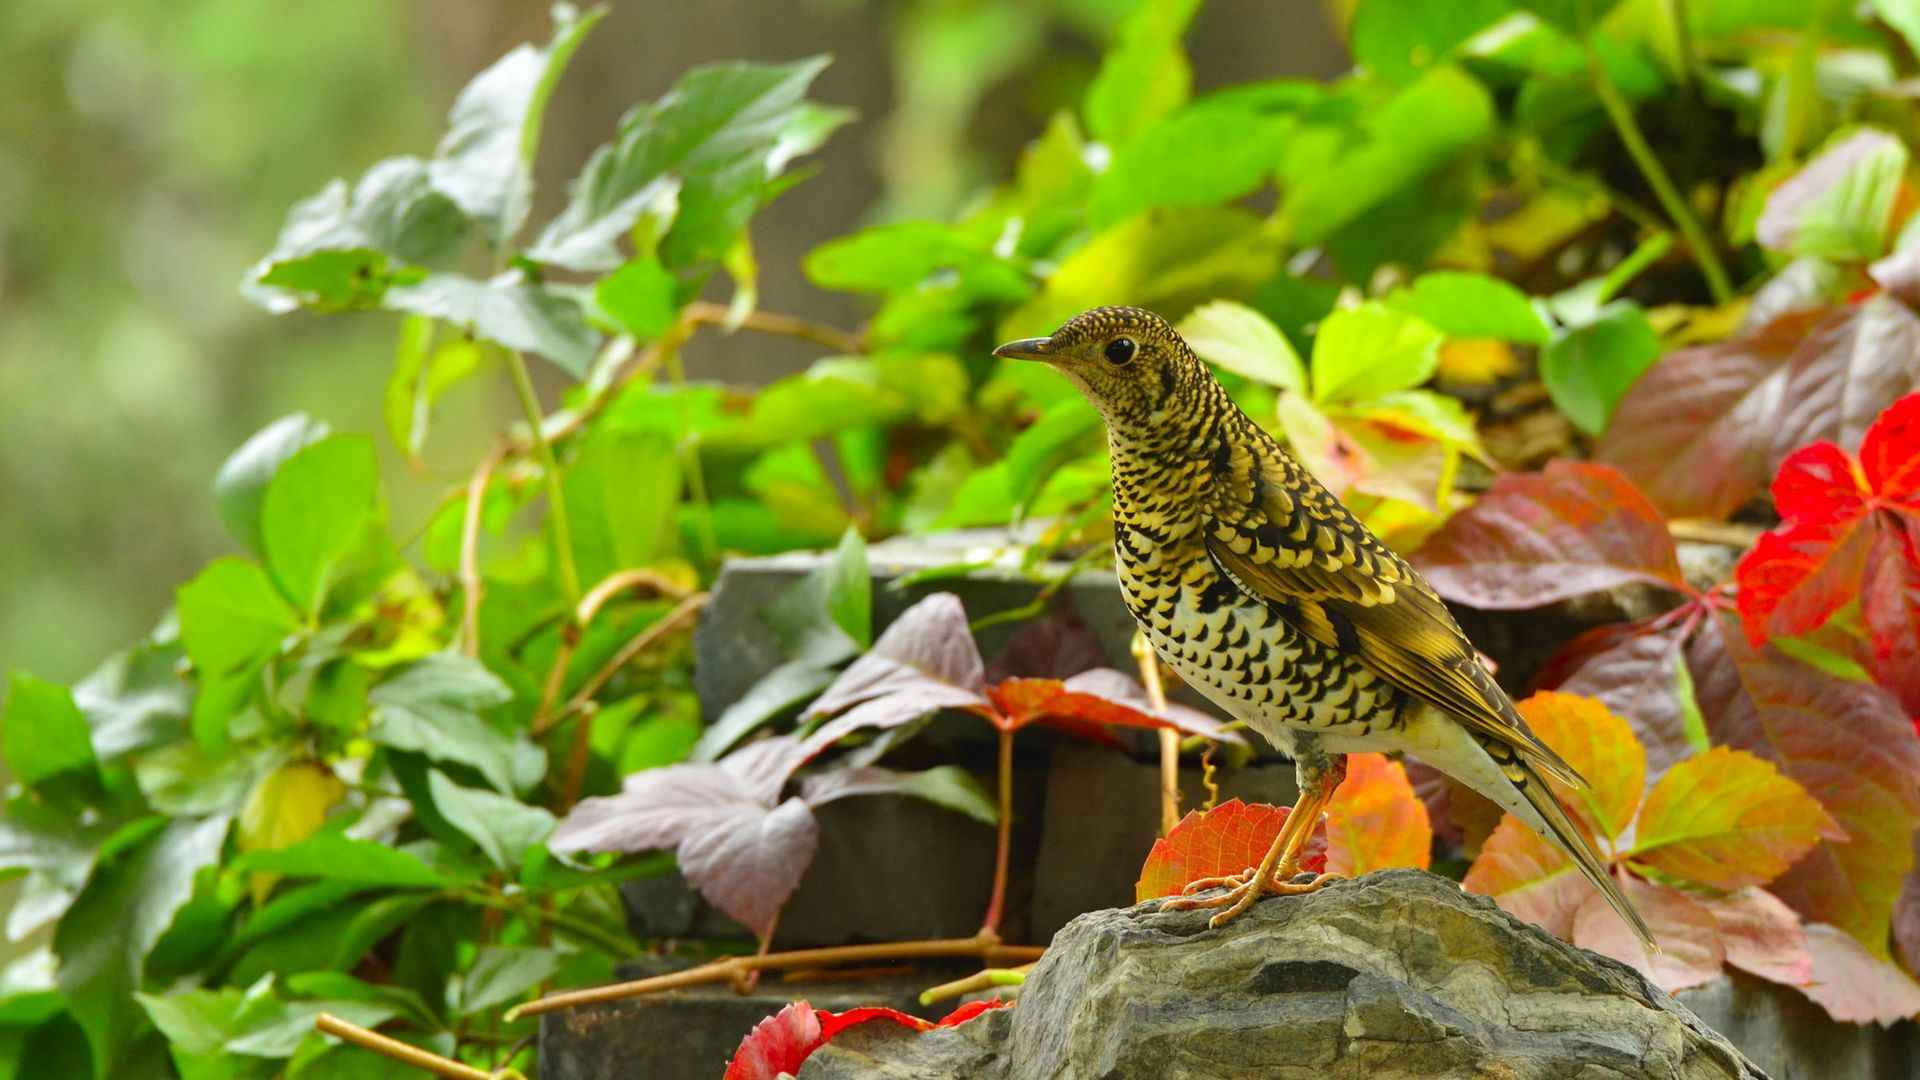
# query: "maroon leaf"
(1838, 167)
(743, 849)
(1535, 538)
(1762, 935)
(1855, 986)
(926, 661)
(1690, 948)
(1890, 606)
(1851, 367)
(1898, 272)
(1847, 743)
(1638, 677)
(1906, 916)
(1057, 644)
(1694, 432)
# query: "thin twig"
(470, 582)
(1207, 779)
(702, 313)
(980, 947)
(620, 581)
(979, 980)
(550, 468)
(1702, 531)
(580, 928)
(1003, 839)
(1144, 656)
(639, 644)
(405, 1053)
(1621, 114)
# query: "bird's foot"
(1242, 892)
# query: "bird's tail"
(1571, 839)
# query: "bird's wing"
(1285, 540)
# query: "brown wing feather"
(1284, 538)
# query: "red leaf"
(1227, 839)
(737, 843)
(1092, 700)
(1853, 985)
(1762, 935)
(778, 1044)
(924, 662)
(1847, 743)
(1375, 822)
(1638, 677)
(1890, 606)
(1539, 537)
(1690, 948)
(1695, 431)
(782, 1042)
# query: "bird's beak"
(1033, 348)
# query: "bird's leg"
(1276, 870)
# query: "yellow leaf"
(1601, 747)
(1477, 361)
(1375, 821)
(1728, 819)
(287, 806)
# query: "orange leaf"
(1227, 839)
(1529, 878)
(1375, 821)
(1728, 819)
(1601, 747)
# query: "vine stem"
(550, 467)
(701, 312)
(579, 928)
(981, 946)
(405, 1053)
(471, 583)
(1169, 738)
(1684, 219)
(1003, 845)
(684, 610)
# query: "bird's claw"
(1242, 892)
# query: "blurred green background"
(149, 149)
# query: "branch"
(556, 498)
(979, 980)
(406, 1053)
(1621, 114)
(981, 947)
(655, 630)
(470, 582)
(702, 313)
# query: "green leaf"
(839, 393)
(1199, 156)
(136, 699)
(335, 249)
(1904, 16)
(507, 310)
(1438, 417)
(713, 144)
(1241, 340)
(333, 856)
(1068, 431)
(1420, 129)
(485, 161)
(640, 297)
(945, 785)
(1587, 370)
(185, 778)
(902, 255)
(103, 941)
(503, 973)
(1145, 75)
(1168, 260)
(317, 513)
(1577, 17)
(1838, 207)
(421, 374)
(231, 617)
(621, 494)
(241, 485)
(503, 828)
(1367, 351)
(45, 734)
(434, 707)
(1398, 39)
(785, 687)
(1466, 305)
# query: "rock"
(1397, 974)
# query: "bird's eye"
(1120, 350)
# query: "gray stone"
(1397, 974)
(1794, 1039)
(1102, 816)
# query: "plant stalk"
(1143, 655)
(550, 467)
(1003, 843)
(1621, 114)
(405, 1053)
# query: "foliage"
(780, 1043)
(335, 776)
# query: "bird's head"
(1126, 360)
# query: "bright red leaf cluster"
(1850, 528)
(782, 1042)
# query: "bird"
(1266, 594)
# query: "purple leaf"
(751, 865)
(930, 644)
(1053, 646)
